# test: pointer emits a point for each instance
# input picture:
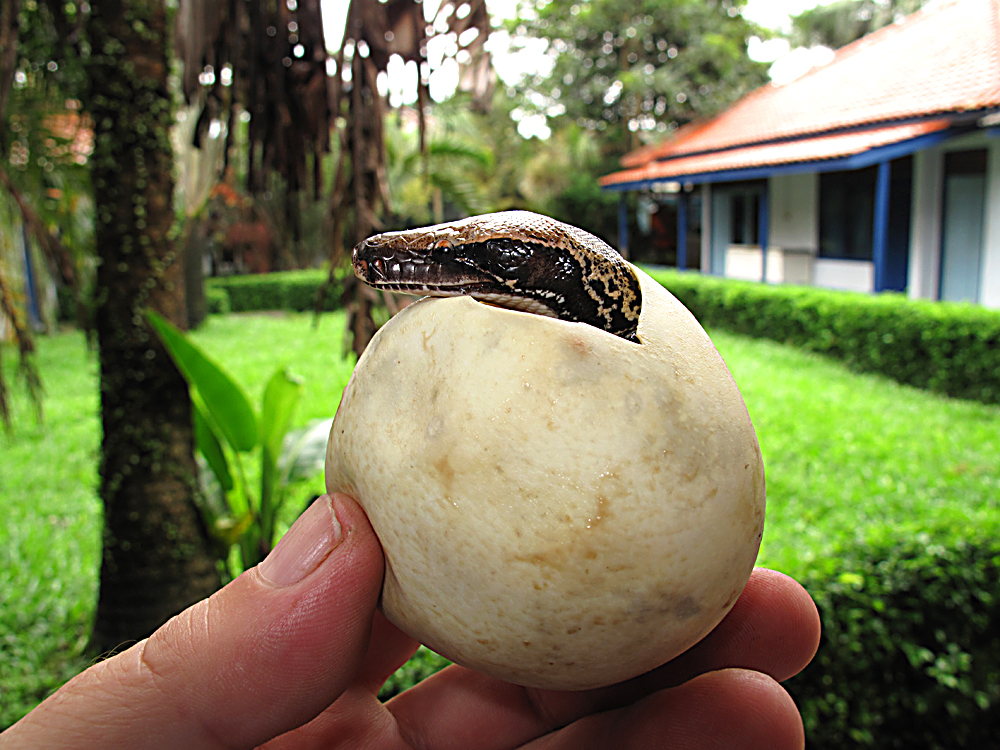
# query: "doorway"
(962, 225)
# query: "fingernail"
(307, 544)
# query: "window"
(846, 214)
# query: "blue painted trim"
(622, 226)
(682, 231)
(30, 284)
(857, 161)
(880, 225)
(763, 229)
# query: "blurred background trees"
(841, 22)
(46, 210)
(646, 66)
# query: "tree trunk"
(157, 558)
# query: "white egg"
(559, 507)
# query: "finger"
(728, 710)
(752, 637)
(510, 715)
(264, 654)
(388, 650)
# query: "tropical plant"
(445, 174)
(228, 430)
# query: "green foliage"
(287, 290)
(883, 500)
(583, 204)
(952, 348)
(421, 665)
(449, 177)
(217, 300)
(650, 66)
(910, 644)
(838, 23)
(43, 117)
(50, 540)
(226, 428)
(50, 537)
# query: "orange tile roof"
(815, 148)
(944, 59)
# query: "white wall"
(852, 275)
(793, 205)
(744, 262)
(925, 224)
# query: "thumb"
(258, 658)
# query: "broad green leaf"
(210, 447)
(304, 451)
(280, 399)
(225, 401)
(281, 396)
(212, 501)
(229, 530)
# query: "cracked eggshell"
(558, 507)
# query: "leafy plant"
(227, 431)
(908, 656)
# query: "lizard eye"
(445, 249)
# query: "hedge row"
(288, 290)
(952, 348)
(910, 651)
(947, 347)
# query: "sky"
(400, 83)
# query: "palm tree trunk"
(157, 558)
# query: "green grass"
(50, 535)
(851, 456)
(846, 456)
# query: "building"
(878, 171)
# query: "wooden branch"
(26, 350)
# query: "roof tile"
(819, 147)
(943, 59)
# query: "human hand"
(293, 651)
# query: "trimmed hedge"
(284, 290)
(217, 301)
(951, 348)
(910, 651)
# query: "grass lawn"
(846, 456)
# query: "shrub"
(285, 290)
(217, 300)
(910, 651)
(952, 348)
